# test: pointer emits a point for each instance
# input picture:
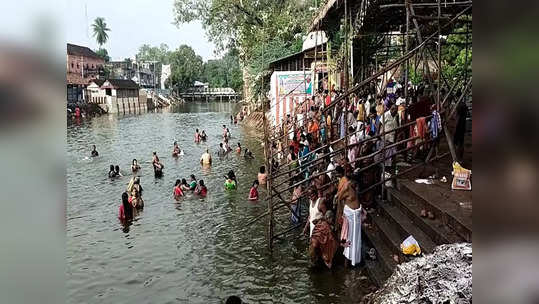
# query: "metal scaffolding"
(382, 39)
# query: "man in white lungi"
(351, 218)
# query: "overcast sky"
(133, 23)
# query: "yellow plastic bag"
(410, 246)
(461, 178)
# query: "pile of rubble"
(445, 276)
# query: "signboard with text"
(287, 90)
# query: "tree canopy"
(224, 72)
(100, 31)
(261, 30)
(186, 67)
(159, 53)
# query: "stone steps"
(435, 229)
(446, 205)
(399, 217)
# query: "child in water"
(201, 189)
(178, 192)
(253, 193)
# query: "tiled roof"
(97, 81)
(77, 50)
(122, 84)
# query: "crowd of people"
(334, 153)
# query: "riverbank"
(255, 120)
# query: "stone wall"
(125, 105)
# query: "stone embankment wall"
(255, 120)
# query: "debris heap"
(445, 276)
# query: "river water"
(192, 251)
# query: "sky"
(133, 23)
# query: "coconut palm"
(100, 31)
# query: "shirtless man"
(176, 150)
(205, 159)
(350, 214)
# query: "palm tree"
(100, 31)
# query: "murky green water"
(192, 251)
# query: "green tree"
(158, 53)
(261, 30)
(186, 67)
(224, 72)
(100, 31)
(103, 54)
(456, 56)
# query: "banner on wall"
(287, 90)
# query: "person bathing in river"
(112, 173)
(232, 176)
(176, 151)
(222, 151)
(228, 136)
(230, 184)
(253, 193)
(201, 189)
(193, 183)
(157, 165)
(248, 154)
(197, 136)
(231, 119)
(322, 242)
(205, 159)
(184, 186)
(117, 171)
(94, 151)
(135, 166)
(203, 136)
(224, 131)
(178, 192)
(227, 146)
(135, 189)
(125, 212)
(317, 209)
(262, 176)
(238, 149)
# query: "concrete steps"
(448, 206)
(435, 229)
(399, 217)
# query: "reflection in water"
(193, 249)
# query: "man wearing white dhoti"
(352, 227)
